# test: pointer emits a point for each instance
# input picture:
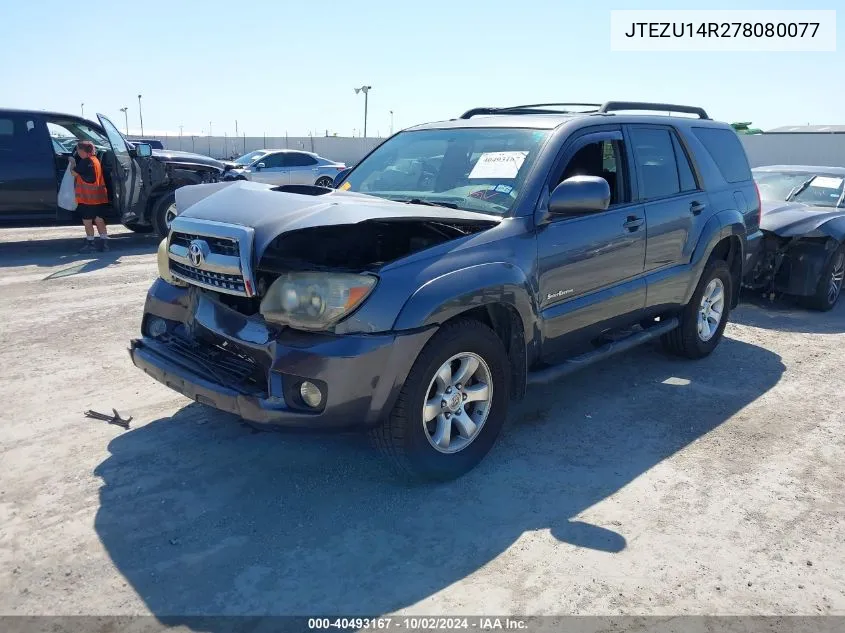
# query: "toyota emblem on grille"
(197, 251)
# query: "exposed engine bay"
(359, 247)
(354, 248)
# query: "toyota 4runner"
(456, 264)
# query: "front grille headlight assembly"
(315, 301)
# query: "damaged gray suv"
(456, 264)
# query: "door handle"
(696, 207)
(633, 223)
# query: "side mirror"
(580, 195)
(340, 176)
(143, 150)
(260, 166)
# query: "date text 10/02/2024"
(419, 624)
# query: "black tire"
(685, 340)
(139, 228)
(324, 181)
(159, 214)
(824, 299)
(402, 437)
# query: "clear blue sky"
(291, 66)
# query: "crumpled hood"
(271, 212)
(175, 156)
(791, 219)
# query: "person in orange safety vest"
(92, 197)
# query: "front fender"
(721, 225)
(456, 292)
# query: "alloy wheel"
(711, 309)
(457, 402)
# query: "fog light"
(311, 394)
(157, 327)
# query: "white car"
(284, 167)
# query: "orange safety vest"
(91, 192)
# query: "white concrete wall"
(795, 149)
(347, 150)
(762, 149)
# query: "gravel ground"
(644, 485)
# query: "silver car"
(284, 167)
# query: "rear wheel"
(829, 288)
(324, 181)
(164, 210)
(703, 319)
(451, 407)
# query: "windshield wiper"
(430, 203)
(800, 188)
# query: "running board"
(550, 374)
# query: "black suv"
(456, 264)
(34, 151)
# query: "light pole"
(82, 107)
(180, 136)
(125, 119)
(141, 114)
(391, 123)
(209, 138)
(366, 91)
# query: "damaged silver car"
(802, 253)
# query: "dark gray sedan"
(803, 222)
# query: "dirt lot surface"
(643, 485)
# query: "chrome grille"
(212, 255)
(217, 245)
(221, 281)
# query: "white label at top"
(498, 165)
(826, 182)
(723, 30)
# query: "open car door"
(125, 181)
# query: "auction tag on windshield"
(498, 165)
(345, 186)
(826, 182)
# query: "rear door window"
(295, 159)
(727, 152)
(654, 154)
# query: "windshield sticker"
(504, 188)
(826, 182)
(345, 186)
(498, 165)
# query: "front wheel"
(703, 319)
(829, 287)
(164, 210)
(451, 407)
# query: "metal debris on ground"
(111, 419)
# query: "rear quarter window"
(727, 152)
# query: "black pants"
(91, 211)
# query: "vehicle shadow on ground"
(787, 315)
(48, 253)
(204, 517)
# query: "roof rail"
(532, 108)
(612, 106)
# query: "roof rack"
(531, 108)
(613, 106)
(606, 108)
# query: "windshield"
(813, 189)
(248, 159)
(475, 169)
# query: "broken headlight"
(315, 301)
(163, 260)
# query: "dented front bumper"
(215, 355)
